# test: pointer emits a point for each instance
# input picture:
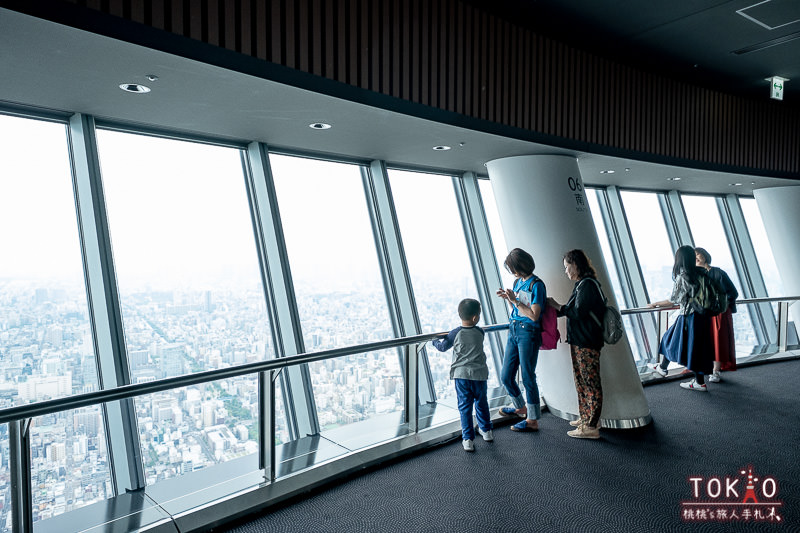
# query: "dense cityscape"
(46, 351)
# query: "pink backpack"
(549, 322)
(550, 333)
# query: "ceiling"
(56, 67)
(730, 45)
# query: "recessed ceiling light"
(319, 126)
(735, 184)
(134, 88)
(627, 170)
(441, 148)
(675, 178)
(606, 172)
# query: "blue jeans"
(522, 352)
(468, 392)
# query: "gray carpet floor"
(628, 481)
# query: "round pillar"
(778, 208)
(543, 210)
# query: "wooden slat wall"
(453, 56)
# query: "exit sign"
(776, 85)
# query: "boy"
(469, 371)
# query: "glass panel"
(758, 236)
(339, 288)
(653, 250)
(708, 233)
(495, 230)
(188, 429)
(438, 261)
(633, 326)
(46, 345)
(766, 261)
(191, 292)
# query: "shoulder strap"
(596, 284)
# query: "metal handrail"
(22, 412)
(638, 310)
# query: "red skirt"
(722, 340)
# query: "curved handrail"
(741, 301)
(21, 412)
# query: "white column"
(543, 210)
(778, 208)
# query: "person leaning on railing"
(688, 340)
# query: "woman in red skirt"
(721, 325)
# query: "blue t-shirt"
(538, 296)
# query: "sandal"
(523, 427)
(508, 411)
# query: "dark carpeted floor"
(629, 480)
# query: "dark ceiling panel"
(774, 13)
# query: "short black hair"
(468, 308)
(519, 262)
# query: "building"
(375, 124)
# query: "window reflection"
(191, 294)
(46, 344)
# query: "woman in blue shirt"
(527, 300)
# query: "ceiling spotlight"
(319, 126)
(606, 172)
(734, 184)
(134, 88)
(627, 169)
(151, 77)
(441, 148)
(675, 178)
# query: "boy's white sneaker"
(488, 436)
(469, 446)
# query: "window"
(339, 288)
(191, 294)
(766, 261)
(438, 261)
(650, 238)
(633, 325)
(46, 343)
(496, 230)
(708, 233)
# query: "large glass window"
(633, 325)
(495, 230)
(758, 236)
(191, 293)
(650, 238)
(708, 232)
(766, 261)
(338, 286)
(438, 260)
(46, 346)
